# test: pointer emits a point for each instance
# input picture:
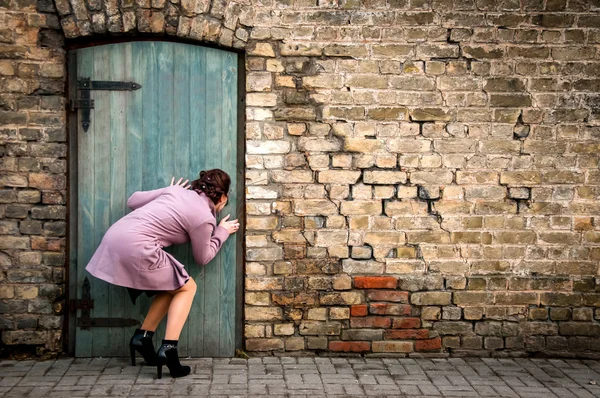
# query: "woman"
(131, 255)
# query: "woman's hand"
(184, 185)
(231, 226)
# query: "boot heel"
(132, 352)
(167, 355)
(141, 341)
(159, 370)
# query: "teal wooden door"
(182, 120)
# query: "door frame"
(69, 318)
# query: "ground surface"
(308, 377)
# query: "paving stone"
(310, 377)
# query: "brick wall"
(32, 175)
(422, 176)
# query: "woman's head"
(215, 184)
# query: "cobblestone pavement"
(306, 377)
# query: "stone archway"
(225, 23)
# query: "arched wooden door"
(160, 109)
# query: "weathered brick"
(338, 177)
(579, 329)
(389, 309)
(349, 346)
(13, 242)
(514, 298)
(431, 298)
(363, 145)
(509, 100)
(361, 207)
(392, 238)
(388, 295)
(314, 207)
(319, 328)
(393, 346)
(434, 344)
(560, 299)
(430, 114)
(375, 282)
(370, 322)
(263, 313)
(384, 177)
(263, 344)
(341, 298)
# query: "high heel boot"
(167, 355)
(142, 342)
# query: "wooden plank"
(167, 150)
(117, 296)
(101, 130)
(164, 133)
(180, 159)
(213, 131)
(135, 136)
(85, 211)
(151, 141)
(197, 110)
(228, 162)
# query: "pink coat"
(131, 254)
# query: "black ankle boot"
(142, 343)
(167, 355)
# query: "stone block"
(349, 346)
(361, 207)
(319, 328)
(393, 346)
(434, 344)
(338, 176)
(431, 298)
(465, 299)
(363, 145)
(341, 298)
(315, 207)
(262, 313)
(362, 334)
(342, 282)
(388, 295)
(370, 322)
(432, 177)
(264, 344)
(430, 115)
(510, 100)
(389, 309)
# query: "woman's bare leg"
(158, 310)
(179, 309)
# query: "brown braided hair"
(214, 183)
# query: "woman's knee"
(189, 287)
(192, 285)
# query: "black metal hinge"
(85, 304)
(84, 101)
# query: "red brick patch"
(389, 309)
(358, 310)
(375, 282)
(371, 322)
(406, 334)
(407, 323)
(350, 346)
(428, 345)
(388, 295)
